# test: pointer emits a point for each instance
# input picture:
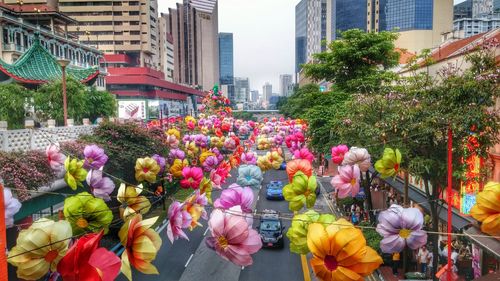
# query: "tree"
(358, 62)
(14, 99)
(100, 104)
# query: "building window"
(133, 13)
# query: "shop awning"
(489, 244)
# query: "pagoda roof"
(38, 66)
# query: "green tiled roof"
(38, 66)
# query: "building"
(482, 8)
(345, 14)
(166, 44)
(34, 37)
(267, 92)
(241, 89)
(254, 96)
(309, 31)
(194, 26)
(286, 85)
(466, 27)
(226, 65)
(462, 10)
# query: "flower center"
(307, 193)
(145, 170)
(191, 180)
(331, 263)
(82, 223)
(404, 233)
(396, 167)
(90, 160)
(51, 256)
(222, 242)
(248, 178)
(353, 182)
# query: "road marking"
(205, 233)
(326, 199)
(258, 196)
(242, 267)
(189, 260)
(162, 227)
(305, 268)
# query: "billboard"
(132, 109)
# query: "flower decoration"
(249, 158)
(358, 156)
(172, 141)
(400, 227)
(194, 205)
(229, 144)
(146, 169)
(346, 182)
(133, 202)
(55, 157)
(191, 148)
(232, 238)
(178, 218)
(487, 208)
(192, 177)
(141, 245)
(338, 153)
(85, 260)
(263, 143)
(297, 233)
(206, 188)
(176, 154)
(263, 163)
(294, 166)
(340, 252)
(204, 155)
(86, 213)
(235, 195)
(40, 248)
(174, 132)
(100, 186)
(300, 192)
(275, 159)
(160, 161)
(75, 173)
(95, 157)
(177, 167)
(249, 175)
(303, 153)
(11, 206)
(210, 163)
(388, 166)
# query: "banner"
(132, 109)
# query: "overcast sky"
(263, 35)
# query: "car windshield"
(269, 225)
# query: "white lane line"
(242, 267)
(258, 196)
(162, 227)
(205, 233)
(189, 260)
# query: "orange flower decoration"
(487, 208)
(292, 167)
(340, 252)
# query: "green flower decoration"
(388, 166)
(87, 213)
(75, 173)
(297, 233)
(301, 191)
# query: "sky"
(263, 37)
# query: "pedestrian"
(423, 258)
(358, 212)
(430, 262)
(395, 263)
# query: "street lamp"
(64, 63)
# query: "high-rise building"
(485, 7)
(194, 26)
(254, 96)
(286, 85)
(166, 44)
(241, 89)
(462, 10)
(309, 31)
(467, 27)
(267, 92)
(226, 58)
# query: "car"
(275, 191)
(271, 230)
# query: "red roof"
(404, 55)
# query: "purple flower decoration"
(176, 154)
(12, 206)
(249, 158)
(161, 162)
(400, 227)
(210, 163)
(100, 186)
(235, 195)
(94, 157)
(217, 153)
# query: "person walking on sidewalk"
(423, 258)
(395, 263)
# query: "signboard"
(153, 109)
(416, 182)
(471, 186)
(132, 109)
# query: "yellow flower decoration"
(141, 245)
(263, 143)
(206, 188)
(75, 173)
(40, 248)
(204, 155)
(191, 148)
(217, 142)
(340, 252)
(275, 159)
(487, 208)
(388, 166)
(135, 203)
(174, 132)
(264, 163)
(190, 118)
(177, 166)
(146, 169)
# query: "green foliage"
(356, 63)
(100, 104)
(14, 98)
(244, 115)
(281, 102)
(300, 101)
(372, 237)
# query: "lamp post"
(64, 63)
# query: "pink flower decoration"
(347, 181)
(303, 153)
(232, 238)
(172, 141)
(249, 158)
(178, 218)
(235, 195)
(230, 144)
(55, 157)
(358, 156)
(192, 177)
(338, 153)
(216, 179)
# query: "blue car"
(275, 191)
